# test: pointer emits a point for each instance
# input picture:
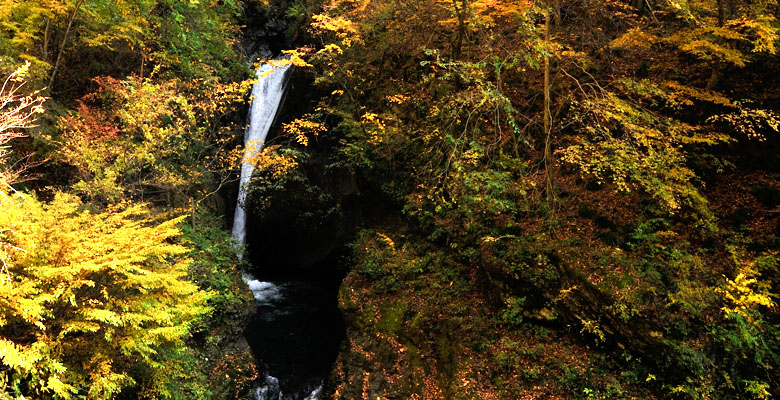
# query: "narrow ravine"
(297, 329)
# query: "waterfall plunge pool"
(295, 336)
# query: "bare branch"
(18, 111)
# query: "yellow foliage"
(374, 127)
(636, 149)
(86, 297)
(135, 136)
(292, 57)
(762, 33)
(279, 164)
(331, 48)
(745, 293)
(386, 240)
(343, 28)
(753, 123)
(715, 43)
(484, 14)
(684, 95)
(18, 111)
(634, 38)
(397, 98)
(302, 128)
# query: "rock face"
(300, 218)
(296, 222)
(421, 324)
(266, 28)
(232, 370)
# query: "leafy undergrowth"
(419, 329)
(225, 365)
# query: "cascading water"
(292, 333)
(267, 95)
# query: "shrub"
(91, 303)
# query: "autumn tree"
(643, 126)
(144, 140)
(470, 100)
(191, 38)
(88, 299)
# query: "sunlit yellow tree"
(90, 304)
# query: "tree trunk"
(45, 46)
(193, 211)
(143, 60)
(732, 9)
(548, 164)
(71, 18)
(714, 76)
(456, 47)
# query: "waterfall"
(267, 95)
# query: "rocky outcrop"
(265, 28)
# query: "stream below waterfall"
(295, 337)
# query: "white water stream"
(267, 95)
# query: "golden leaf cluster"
(301, 129)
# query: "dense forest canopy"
(555, 199)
